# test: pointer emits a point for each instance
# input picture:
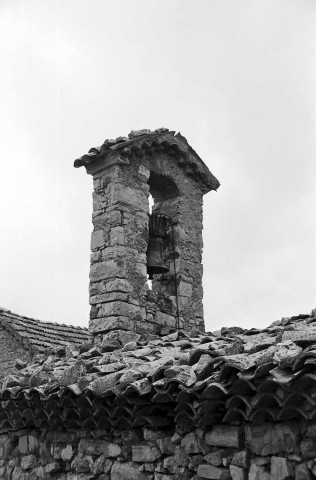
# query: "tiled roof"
(235, 375)
(37, 335)
(145, 141)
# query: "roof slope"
(142, 142)
(37, 335)
(234, 376)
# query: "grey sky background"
(235, 77)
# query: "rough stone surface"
(270, 438)
(281, 468)
(223, 436)
(214, 473)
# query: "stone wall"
(10, 350)
(276, 451)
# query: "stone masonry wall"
(281, 451)
(119, 294)
(10, 350)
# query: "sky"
(235, 77)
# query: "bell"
(155, 263)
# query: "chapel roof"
(37, 336)
(145, 141)
(129, 380)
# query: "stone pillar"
(125, 171)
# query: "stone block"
(191, 444)
(308, 447)
(99, 447)
(118, 308)
(185, 289)
(224, 436)
(286, 353)
(163, 476)
(110, 323)
(145, 453)
(154, 434)
(128, 471)
(118, 285)
(269, 438)
(117, 236)
(311, 429)
(215, 458)
(121, 194)
(82, 463)
(302, 472)
(28, 462)
(181, 457)
(214, 473)
(23, 444)
(241, 459)
(165, 320)
(165, 445)
(52, 467)
(97, 240)
(238, 473)
(257, 472)
(107, 270)
(280, 468)
(67, 453)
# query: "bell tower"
(128, 243)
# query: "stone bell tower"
(126, 171)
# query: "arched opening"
(163, 203)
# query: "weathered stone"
(102, 464)
(145, 453)
(308, 447)
(181, 457)
(214, 473)
(166, 446)
(28, 461)
(99, 447)
(281, 468)
(268, 438)
(257, 472)
(238, 473)
(170, 464)
(154, 434)
(190, 444)
(163, 476)
(215, 458)
(67, 453)
(224, 436)
(128, 471)
(72, 374)
(165, 320)
(311, 429)
(52, 467)
(241, 459)
(106, 270)
(286, 353)
(117, 236)
(118, 285)
(110, 323)
(97, 239)
(5, 447)
(302, 472)
(82, 463)
(195, 461)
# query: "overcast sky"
(235, 77)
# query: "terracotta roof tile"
(38, 335)
(175, 378)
